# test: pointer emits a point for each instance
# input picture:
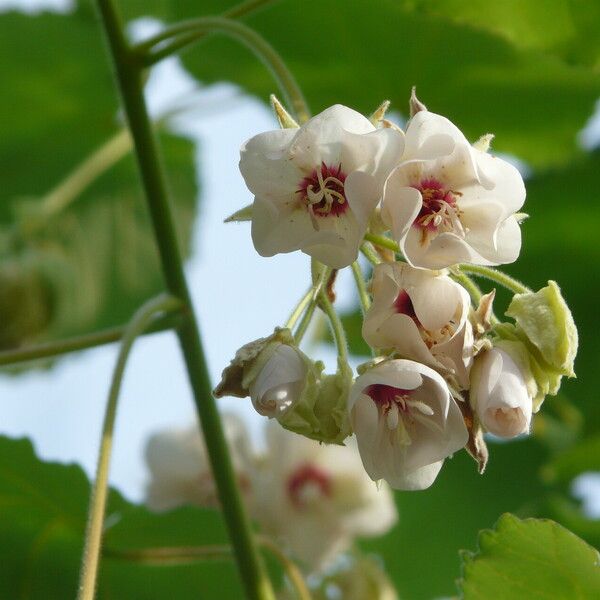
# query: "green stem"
(300, 307)
(363, 294)
(291, 570)
(93, 537)
(370, 254)
(315, 291)
(84, 174)
(169, 556)
(383, 242)
(129, 78)
(337, 328)
(183, 555)
(81, 342)
(499, 277)
(468, 284)
(190, 31)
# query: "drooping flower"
(499, 394)
(180, 471)
(273, 371)
(406, 423)
(316, 186)
(449, 202)
(316, 498)
(423, 315)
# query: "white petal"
(430, 136)
(401, 206)
(509, 189)
(419, 479)
(363, 194)
(442, 251)
(264, 164)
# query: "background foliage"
(528, 71)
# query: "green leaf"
(434, 523)
(530, 559)
(561, 27)
(95, 262)
(584, 456)
(482, 79)
(43, 508)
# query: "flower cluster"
(426, 207)
(311, 498)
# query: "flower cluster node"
(445, 371)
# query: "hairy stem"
(499, 277)
(186, 33)
(129, 78)
(315, 292)
(468, 284)
(339, 335)
(367, 250)
(382, 242)
(300, 308)
(93, 538)
(361, 286)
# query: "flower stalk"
(129, 77)
(187, 33)
(93, 538)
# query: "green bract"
(547, 322)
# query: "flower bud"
(499, 394)
(548, 324)
(285, 384)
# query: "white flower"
(316, 498)
(449, 202)
(423, 315)
(499, 394)
(280, 383)
(180, 471)
(316, 186)
(406, 423)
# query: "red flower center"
(385, 396)
(439, 209)
(307, 483)
(322, 192)
(404, 306)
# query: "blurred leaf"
(96, 262)
(572, 515)
(562, 27)
(41, 537)
(529, 559)
(435, 523)
(584, 456)
(364, 52)
(560, 243)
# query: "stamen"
(439, 211)
(323, 193)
